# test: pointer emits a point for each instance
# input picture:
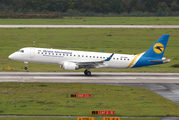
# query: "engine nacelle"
(69, 66)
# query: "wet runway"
(89, 26)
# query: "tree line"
(91, 6)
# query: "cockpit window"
(22, 51)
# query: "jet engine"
(69, 66)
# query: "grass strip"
(122, 41)
(95, 21)
(52, 99)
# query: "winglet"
(109, 58)
(102, 51)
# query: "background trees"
(158, 7)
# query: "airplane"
(73, 60)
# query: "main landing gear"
(26, 63)
(87, 73)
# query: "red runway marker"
(106, 112)
(83, 95)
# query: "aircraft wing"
(92, 63)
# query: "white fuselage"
(57, 56)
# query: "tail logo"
(158, 48)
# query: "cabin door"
(32, 52)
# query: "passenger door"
(32, 52)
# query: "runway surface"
(96, 77)
(89, 26)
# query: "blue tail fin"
(158, 48)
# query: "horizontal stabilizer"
(161, 60)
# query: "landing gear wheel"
(26, 63)
(87, 73)
(25, 68)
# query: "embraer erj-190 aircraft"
(72, 60)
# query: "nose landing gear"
(87, 73)
(26, 63)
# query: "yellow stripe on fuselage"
(133, 61)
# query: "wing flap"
(89, 63)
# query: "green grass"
(52, 99)
(123, 41)
(96, 21)
(46, 118)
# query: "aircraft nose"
(11, 56)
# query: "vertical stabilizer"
(158, 48)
